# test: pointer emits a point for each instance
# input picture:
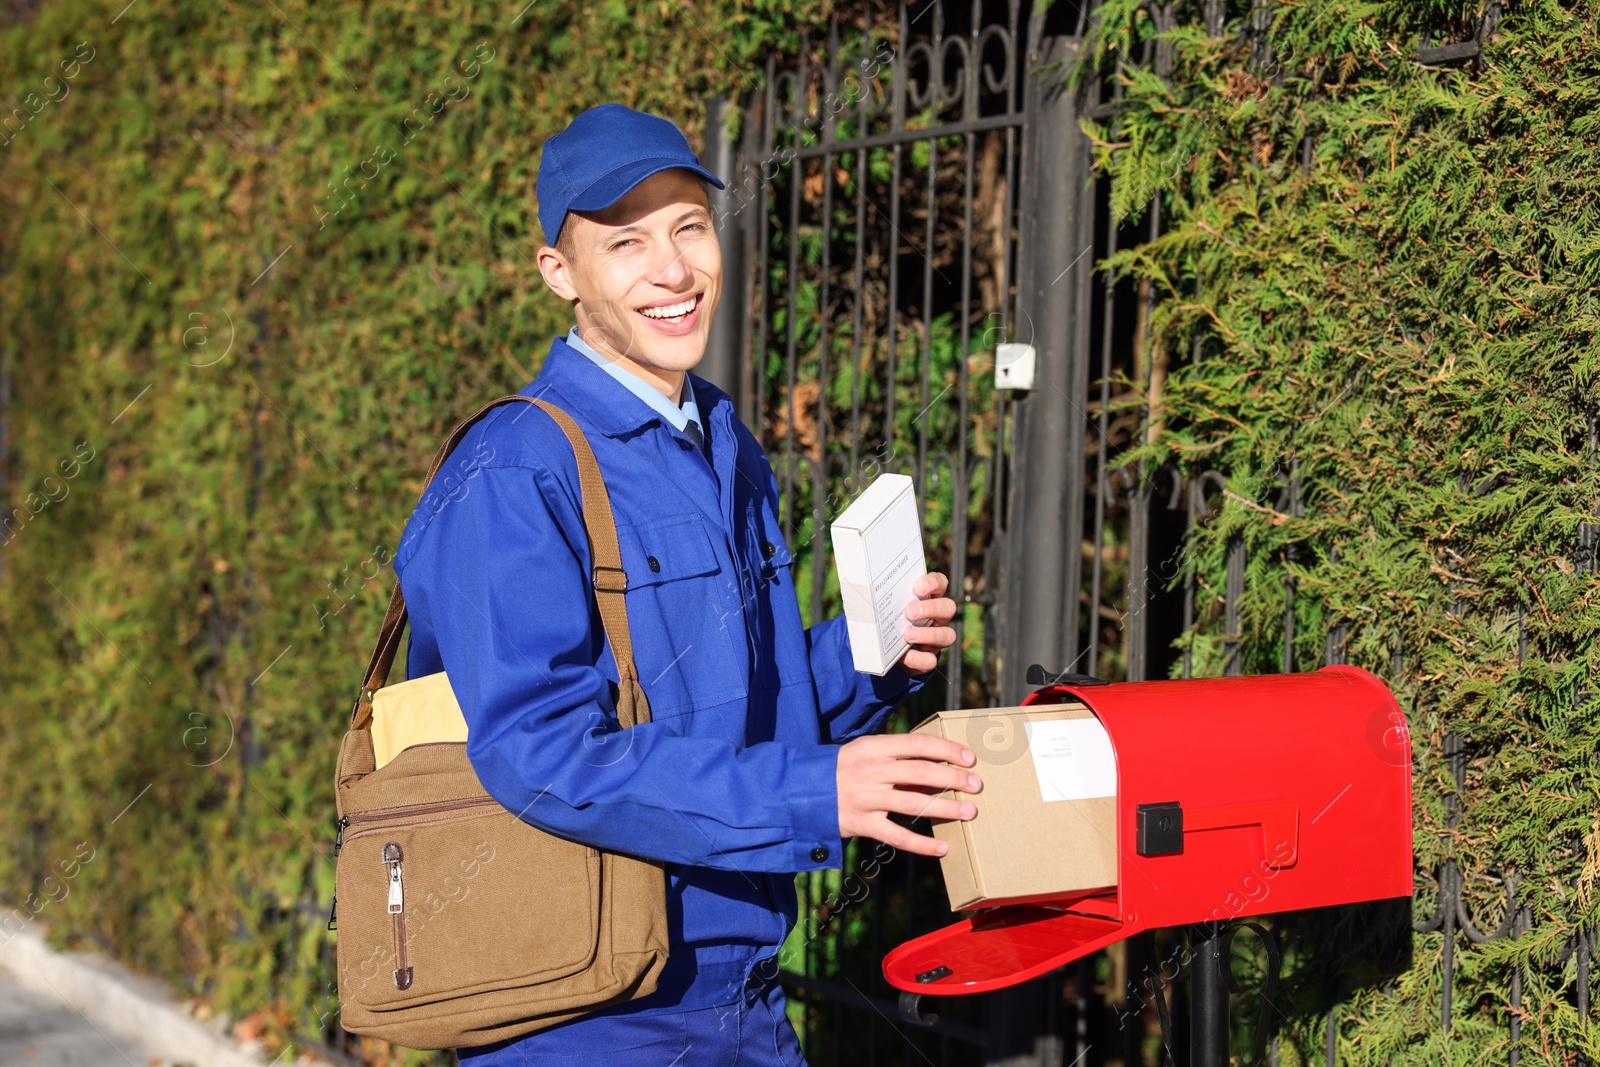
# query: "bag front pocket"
(458, 897)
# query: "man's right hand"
(893, 774)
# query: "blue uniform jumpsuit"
(732, 782)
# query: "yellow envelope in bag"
(416, 712)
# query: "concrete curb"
(112, 996)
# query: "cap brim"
(609, 188)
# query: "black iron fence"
(915, 210)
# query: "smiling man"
(755, 764)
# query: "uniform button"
(767, 549)
(819, 854)
(655, 564)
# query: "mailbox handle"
(1279, 821)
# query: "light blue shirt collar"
(678, 416)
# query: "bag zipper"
(418, 809)
(397, 908)
(389, 815)
(338, 843)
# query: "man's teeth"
(671, 311)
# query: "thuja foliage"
(254, 262)
(1378, 316)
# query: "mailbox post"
(1236, 797)
(1208, 996)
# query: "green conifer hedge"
(1378, 281)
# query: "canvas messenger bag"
(460, 923)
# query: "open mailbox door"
(1236, 797)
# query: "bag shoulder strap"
(607, 578)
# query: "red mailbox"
(1235, 797)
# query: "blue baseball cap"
(601, 155)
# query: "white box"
(877, 549)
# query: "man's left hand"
(928, 632)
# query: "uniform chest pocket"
(683, 612)
(781, 655)
(667, 551)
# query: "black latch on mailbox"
(1160, 828)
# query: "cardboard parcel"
(1047, 816)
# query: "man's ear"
(557, 273)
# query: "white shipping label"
(1072, 758)
(895, 560)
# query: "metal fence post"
(724, 362)
(1046, 505)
